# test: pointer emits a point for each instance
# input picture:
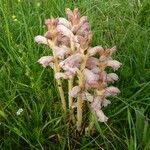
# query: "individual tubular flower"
(111, 91)
(64, 22)
(71, 64)
(101, 116)
(114, 64)
(105, 103)
(64, 31)
(96, 104)
(90, 78)
(95, 50)
(41, 39)
(111, 77)
(61, 52)
(46, 61)
(92, 63)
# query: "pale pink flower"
(65, 22)
(105, 102)
(60, 75)
(114, 64)
(90, 76)
(96, 104)
(63, 40)
(71, 64)
(111, 77)
(91, 79)
(41, 39)
(84, 29)
(92, 62)
(60, 52)
(96, 70)
(112, 91)
(75, 91)
(45, 60)
(95, 50)
(74, 59)
(64, 31)
(68, 68)
(101, 116)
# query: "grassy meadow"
(25, 84)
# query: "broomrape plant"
(84, 67)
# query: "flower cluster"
(83, 66)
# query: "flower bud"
(114, 64)
(90, 77)
(111, 91)
(65, 22)
(101, 116)
(105, 103)
(41, 40)
(94, 50)
(60, 52)
(45, 60)
(96, 104)
(111, 77)
(92, 62)
(65, 31)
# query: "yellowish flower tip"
(13, 17)
(38, 4)
(19, 0)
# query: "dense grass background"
(25, 84)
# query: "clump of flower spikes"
(72, 57)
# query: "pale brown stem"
(63, 101)
(89, 129)
(79, 112)
(79, 100)
(59, 84)
(70, 85)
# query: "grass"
(25, 84)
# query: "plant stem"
(59, 84)
(90, 127)
(79, 112)
(70, 85)
(79, 100)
